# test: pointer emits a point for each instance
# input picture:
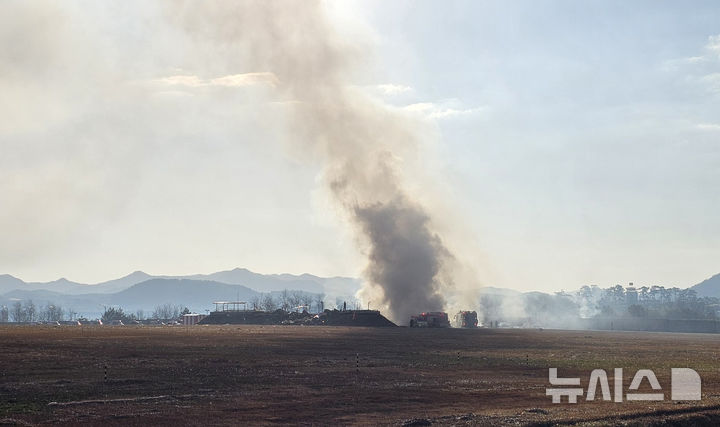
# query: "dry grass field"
(250, 375)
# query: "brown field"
(249, 375)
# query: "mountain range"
(142, 291)
(238, 276)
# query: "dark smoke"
(405, 256)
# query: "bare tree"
(294, 300)
(17, 313)
(30, 311)
(285, 300)
(268, 302)
(51, 313)
(43, 314)
(57, 313)
(4, 314)
(167, 311)
(306, 299)
(255, 302)
(320, 302)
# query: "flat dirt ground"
(255, 375)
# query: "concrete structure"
(192, 319)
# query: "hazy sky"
(577, 142)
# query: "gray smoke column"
(360, 142)
(405, 256)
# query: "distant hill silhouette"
(8, 283)
(197, 295)
(237, 276)
(141, 291)
(266, 283)
(117, 285)
(63, 285)
(709, 287)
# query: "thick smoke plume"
(405, 257)
(360, 142)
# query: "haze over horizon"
(574, 144)
(201, 273)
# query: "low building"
(192, 319)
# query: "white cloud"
(708, 126)
(700, 69)
(247, 79)
(393, 89)
(712, 50)
(711, 54)
(695, 59)
(233, 80)
(421, 107)
(436, 111)
(452, 112)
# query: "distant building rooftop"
(230, 305)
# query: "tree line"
(161, 312)
(288, 301)
(27, 312)
(562, 309)
(649, 301)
